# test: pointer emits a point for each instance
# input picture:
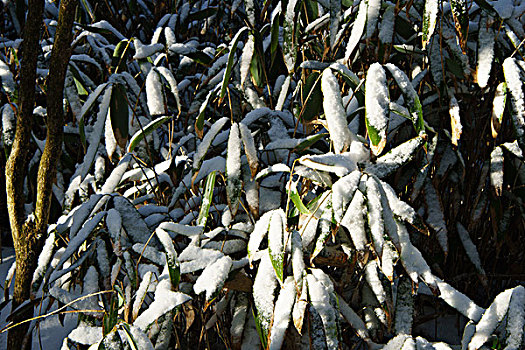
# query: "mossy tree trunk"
(29, 236)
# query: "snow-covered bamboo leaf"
(335, 12)
(455, 120)
(282, 313)
(435, 217)
(263, 294)
(320, 300)
(249, 148)
(231, 59)
(410, 95)
(259, 232)
(512, 73)
(486, 40)
(496, 170)
(335, 114)
(289, 36)
(213, 277)
(233, 169)
(396, 157)
(375, 214)
(358, 28)
(498, 108)
(354, 220)
(207, 199)
(490, 319)
(171, 256)
(148, 129)
(199, 121)
(470, 248)
(404, 311)
(246, 58)
(205, 144)
(342, 193)
(156, 98)
(276, 233)
(94, 137)
(165, 300)
(377, 107)
(516, 319)
(429, 20)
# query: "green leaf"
(296, 199)
(311, 97)
(263, 334)
(199, 122)
(119, 114)
(148, 129)
(206, 199)
(120, 55)
(231, 57)
(276, 245)
(410, 95)
(131, 340)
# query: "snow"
(144, 51)
(430, 18)
(116, 175)
(339, 164)
(342, 193)
(455, 120)
(168, 75)
(263, 291)
(372, 278)
(376, 99)
(275, 239)
(154, 93)
(486, 42)
(496, 169)
(357, 30)
(45, 257)
(86, 335)
(165, 300)
(246, 58)
(282, 314)
(490, 319)
(459, 301)
(233, 168)
(6, 78)
(375, 214)
(194, 258)
(335, 114)
(412, 259)
(213, 277)
(259, 231)
(354, 221)
(141, 293)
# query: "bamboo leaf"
(231, 58)
(377, 107)
(119, 114)
(148, 129)
(207, 199)
(429, 20)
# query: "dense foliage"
(300, 174)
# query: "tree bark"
(28, 237)
(16, 167)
